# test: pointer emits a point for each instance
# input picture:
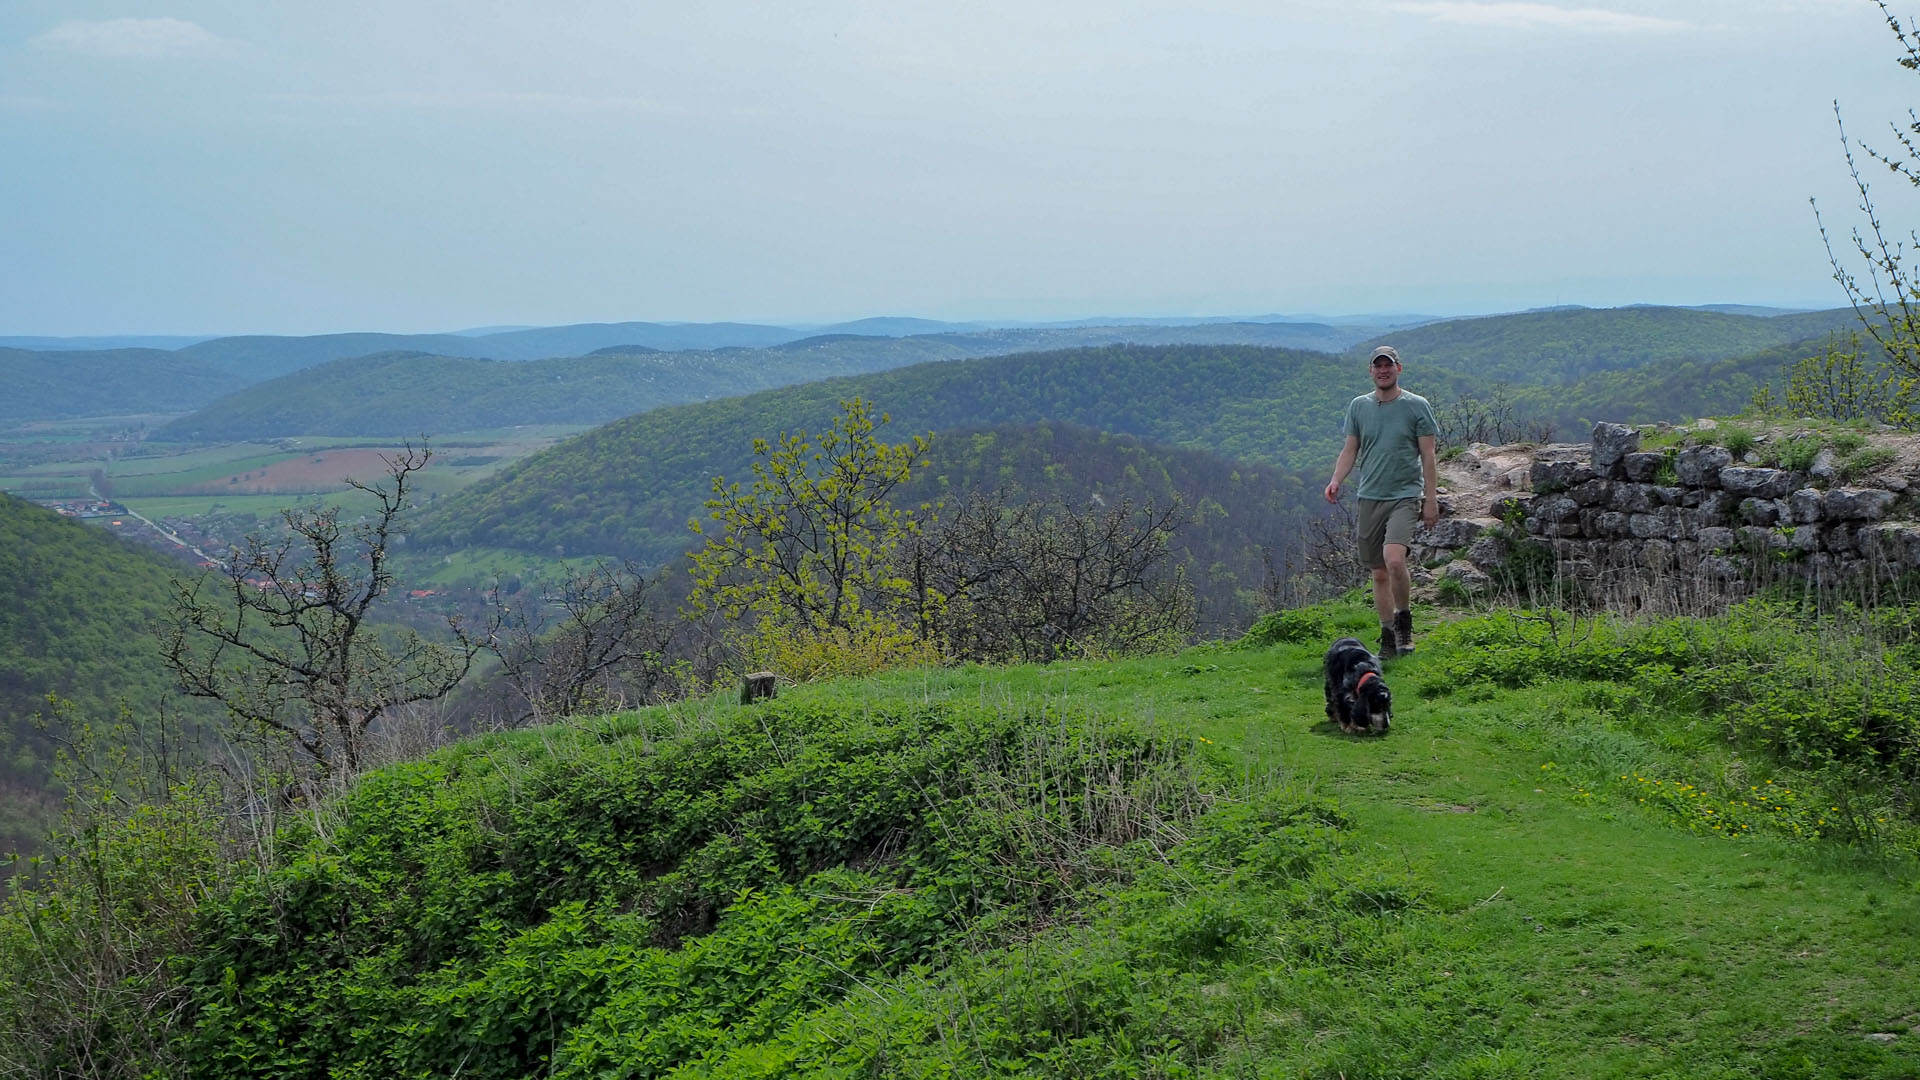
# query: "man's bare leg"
(1400, 584)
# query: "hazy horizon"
(216, 167)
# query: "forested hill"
(1243, 518)
(78, 611)
(1566, 345)
(105, 382)
(629, 488)
(403, 393)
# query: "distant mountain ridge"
(402, 393)
(628, 488)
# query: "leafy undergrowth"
(1594, 850)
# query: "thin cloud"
(482, 100)
(1528, 16)
(117, 38)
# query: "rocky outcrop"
(1612, 515)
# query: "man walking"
(1391, 434)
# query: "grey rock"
(1715, 538)
(1632, 498)
(1719, 505)
(1612, 525)
(1699, 466)
(1757, 483)
(1489, 550)
(1511, 506)
(1761, 538)
(1641, 467)
(1858, 504)
(1825, 467)
(1806, 506)
(1475, 580)
(1551, 476)
(1450, 533)
(1611, 443)
(1591, 493)
(1647, 526)
(1656, 554)
(1669, 496)
(1555, 509)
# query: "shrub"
(1865, 461)
(634, 895)
(1797, 453)
(1738, 440)
(1292, 627)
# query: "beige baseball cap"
(1384, 351)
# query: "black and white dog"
(1357, 696)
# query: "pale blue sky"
(246, 167)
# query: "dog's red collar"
(1363, 680)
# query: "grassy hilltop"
(1623, 855)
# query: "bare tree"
(282, 635)
(1492, 418)
(1885, 293)
(598, 639)
(1035, 581)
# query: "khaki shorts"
(1382, 522)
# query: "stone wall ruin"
(1616, 519)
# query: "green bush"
(1866, 461)
(630, 898)
(1291, 627)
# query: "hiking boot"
(1388, 643)
(1403, 630)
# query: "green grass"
(1523, 879)
(1623, 942)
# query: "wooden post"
(760, 684)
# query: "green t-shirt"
(1389, 463)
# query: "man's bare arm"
(1430, 474)
(1343, 466)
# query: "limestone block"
(1715, 538)
(1825, 467)
(1669, 496)
(1895, 544)
(1805, 538)
(1647, 526)
(1474, 579)
(1858, 504)
(1489, 550)
(1656, 554)
(1758, 483)
(1611, 443)
(1632, 498)
(1611, 525)
(1640, 467)
(1764, 512)
(1552, 476)
(1806, 506)
(1720, 568)
(1591, 493)
(1555, 509)
(1761, 538)
(1450, 533)
(1839, 539)
(1699, 466)
(1719, 505)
